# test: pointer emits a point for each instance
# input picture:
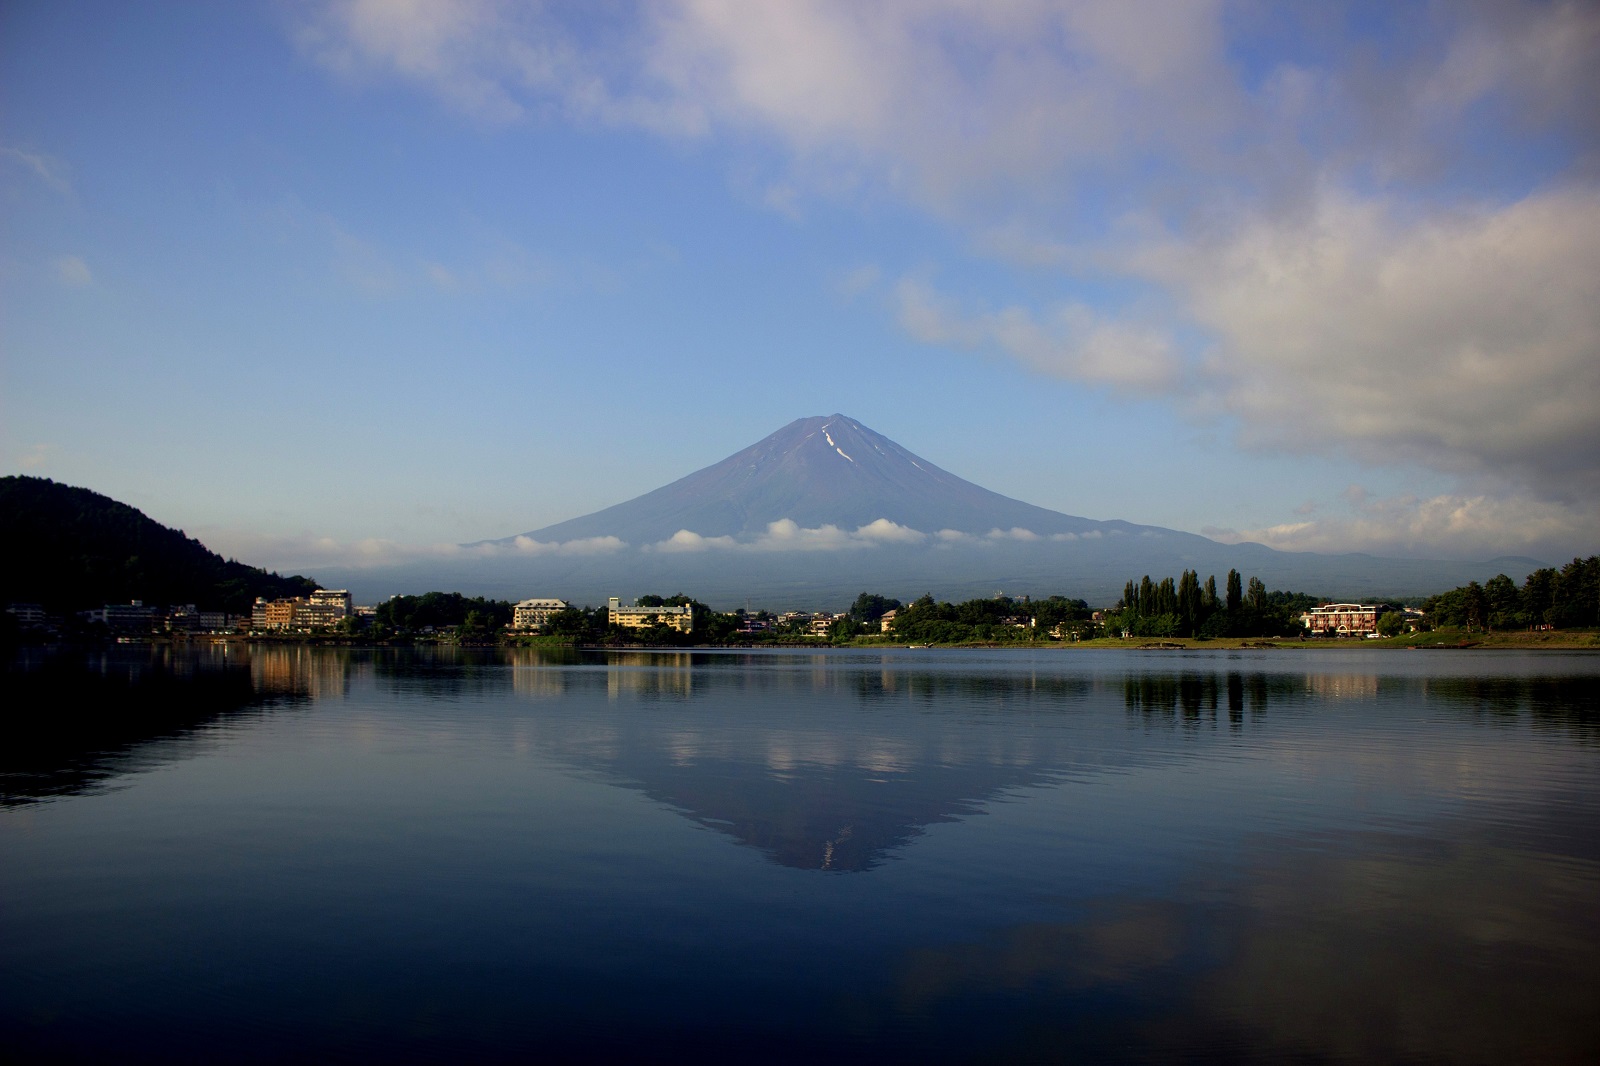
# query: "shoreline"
(1452, 640)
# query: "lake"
(273, 853)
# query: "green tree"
(1188, 603)
(1475, 606)
(1235, 594)
(1504, 603)
(869, 607)
(1391, 624)
(1539, 595)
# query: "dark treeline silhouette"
(442, 610)
(69, 549)
(999, 619)
(1549, 597)
(1188, 608)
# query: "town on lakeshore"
(1552, 607)
(100, 570)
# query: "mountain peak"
(824, 470)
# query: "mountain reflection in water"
(801, 778)
(283, 853)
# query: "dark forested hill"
(68, 549)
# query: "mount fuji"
(818, 473)
(826, 508)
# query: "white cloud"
(887, 532)
(1069, 341)
(1446, 525)
(788, 535)
(685, 540)
(1466, 341)
(70, 270)
(584, 546)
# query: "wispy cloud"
(35, 456)
(47, 169)
(1069, 341)
(71, 271)
(311, 551)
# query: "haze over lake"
(303, 853)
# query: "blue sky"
(328, 282)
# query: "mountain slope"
(68, 548)
(825, 470)
(833, 471)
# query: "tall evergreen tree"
(1257, 594)
(1208, 601)
(1166, 598)
(1235, 592)
(1188, 602)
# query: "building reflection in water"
(649, 674)
(300, 670)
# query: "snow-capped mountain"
(822, 471)
(825, 508)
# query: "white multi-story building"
(535, 613)
(326, 607)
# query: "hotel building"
(679, 618)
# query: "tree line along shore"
(1552, 609)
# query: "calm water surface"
(312, 854)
